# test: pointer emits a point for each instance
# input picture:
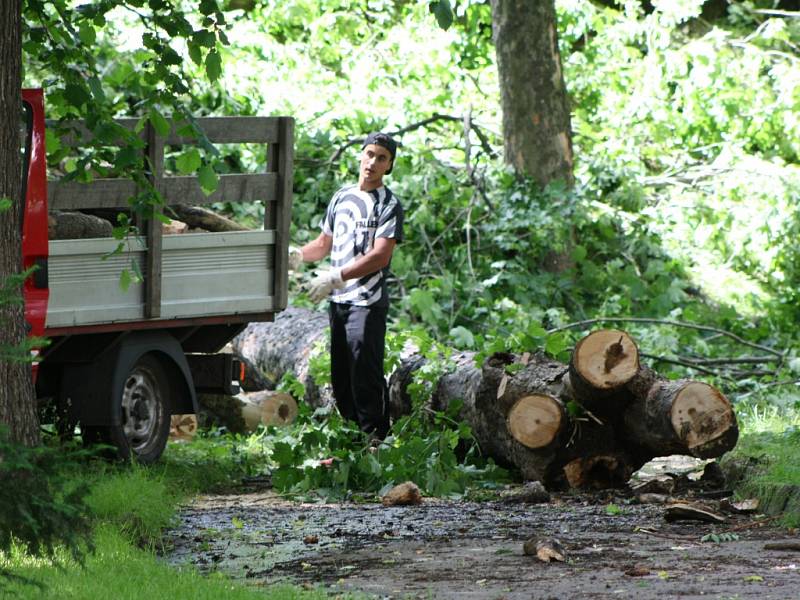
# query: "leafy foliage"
(41, 504)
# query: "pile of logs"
(587, 424)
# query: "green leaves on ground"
(440, 458)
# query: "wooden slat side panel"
(114, 193)
(100, 193)
(231, 130)
(219, 130)
(250, 187)
(79, 135)
(280, 160)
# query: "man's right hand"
(295, 258)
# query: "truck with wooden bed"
(120, 360)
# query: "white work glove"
(322, 285)
(295, 258)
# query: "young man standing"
(362, 225)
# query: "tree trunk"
(17, 403)
(287, 345)
(72, 225)
(536, 119)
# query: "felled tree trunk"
(286, 345)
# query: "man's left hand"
(322, 285)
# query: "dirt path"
(467, 550)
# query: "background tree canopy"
(685, 132)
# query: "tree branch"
(419, 124)
(716, 330)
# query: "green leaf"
(125, 157)
(51, 141)
(443, 13)
(205, 38)
(87, 34)
(97, 89)
(160, 124)
(208, 179)
(208, 7)
(125, 280)
(5, 204)
(283, 454)
(213, 65)
(555, 344)
(579, 253)
(188, 161)
(76, 95)
(195, 53)
(462, 337)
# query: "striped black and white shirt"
(354, 219)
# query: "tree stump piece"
(536, 420)
(602, 363)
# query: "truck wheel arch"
(170, 354)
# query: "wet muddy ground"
(615, 548)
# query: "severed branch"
(708, 328)
(677, 361)
(419, 124)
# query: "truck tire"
(145, 407)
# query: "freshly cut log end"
(606, 359)
(183, 427)
(703, 419)
(536, 420)
(267, 408)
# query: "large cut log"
(244, 412)
(678, 417)
(519, 416)
(602, 364)
(195, 217)
(267, 407)
(286, 345)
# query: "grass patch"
(766, 462)
(129, 508)
(119, 570)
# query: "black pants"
(357, 348)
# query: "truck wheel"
(145, 414)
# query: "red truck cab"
(34, 222)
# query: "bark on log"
(72, 225)
(286, 345)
